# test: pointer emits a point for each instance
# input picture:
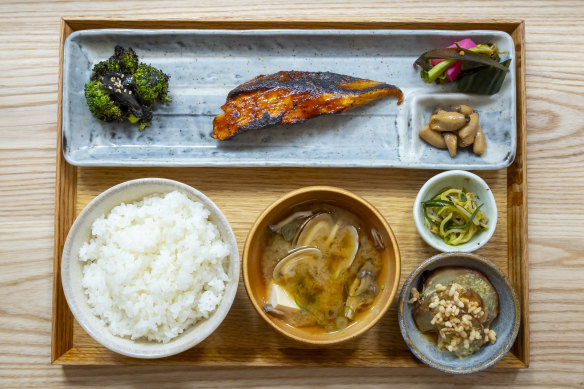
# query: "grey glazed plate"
(506, 325)
(205, 65)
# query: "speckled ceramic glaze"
(71, 269)
(506, 325)
(204, 65)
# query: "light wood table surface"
(29, 52)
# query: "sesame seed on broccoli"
(121, 88)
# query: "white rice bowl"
(153, 268)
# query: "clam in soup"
(321, 265)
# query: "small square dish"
(498, 126)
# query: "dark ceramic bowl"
(506, 325)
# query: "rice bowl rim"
(130, 192)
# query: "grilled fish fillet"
(292, 97)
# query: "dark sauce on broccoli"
(121, 88)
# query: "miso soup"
(321, 266)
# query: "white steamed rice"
(155, 267)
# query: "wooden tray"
(244, 339)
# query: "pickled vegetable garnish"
(455, 216)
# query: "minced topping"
(415, 296)
(457, 319)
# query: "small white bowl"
(456, 179)
(71, 270)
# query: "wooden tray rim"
(62, 350)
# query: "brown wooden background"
(28, 98)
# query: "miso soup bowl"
(389, 276)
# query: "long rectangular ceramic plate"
(204, 65)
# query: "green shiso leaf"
(487, 81)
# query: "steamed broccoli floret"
(101, 104)
(103, 67)
(122, 88)
(151, 84)
(142, 123)
(124, 61)
(127, 59)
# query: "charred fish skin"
(289, 97)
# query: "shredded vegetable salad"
(454, 216)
